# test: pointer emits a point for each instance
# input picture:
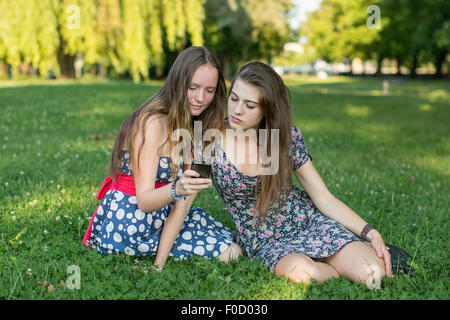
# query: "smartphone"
(202, 168)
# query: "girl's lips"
(235, 120)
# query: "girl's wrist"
(173, 191)
(368, 232)
(176, 190)
(372, 235)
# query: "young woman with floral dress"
(300, 234)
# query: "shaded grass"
(386, 156)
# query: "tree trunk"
(65, 61)
(78, 65)
(399, 64)
(10, 72)
(379, 63)
(100, 70)
(227, 66)
(439, 62)
(66, 67)
(414, 67)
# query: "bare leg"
(358, 262)
(301, 268)
(232, 252)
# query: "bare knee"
(369, 270)
(358, 262)
(373, 271)
(297, 268)
(301, 274)
(233, 252)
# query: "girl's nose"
(200, 96)
(239, 108)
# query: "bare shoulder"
(156, 123)
(152, 129)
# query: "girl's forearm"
(154, 199)
(171, 229)
(341, 213)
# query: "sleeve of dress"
(299, 151)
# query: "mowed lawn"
(385, 155)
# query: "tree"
(239, 30)
(227, 31)
(136, 53)
(410, 31)
(270, 27)
(100, 36)
(338, 30)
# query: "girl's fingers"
(191, 173)
(376, 247)
(387, 260)
(197, 189)
(383, 253)
(198, 181)
(190, 183)
(190, 188)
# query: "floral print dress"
(298, 227)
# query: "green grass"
(386, 156)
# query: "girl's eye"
(234, 98)
(250, 107)
(211, 91)
(192, 88)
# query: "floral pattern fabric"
(297, 227)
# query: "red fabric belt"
(123, 183)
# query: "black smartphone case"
(202, 168)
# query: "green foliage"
(241, 30)
(135, 49)
(338, 30)
(27, 36)
(114, 36)
(195, 16)
(411, 31)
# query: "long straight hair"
(275, 102)
(171, 100)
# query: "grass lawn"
(386, 156)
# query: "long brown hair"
(275, 102)
(171, 100)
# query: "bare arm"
(325, 201)
(148, 197)
(329, 205)
(171, 229)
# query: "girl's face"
(244, 111)
(202, 88)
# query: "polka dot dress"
(119, 225)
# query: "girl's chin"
(234, 125)
(196, 112)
